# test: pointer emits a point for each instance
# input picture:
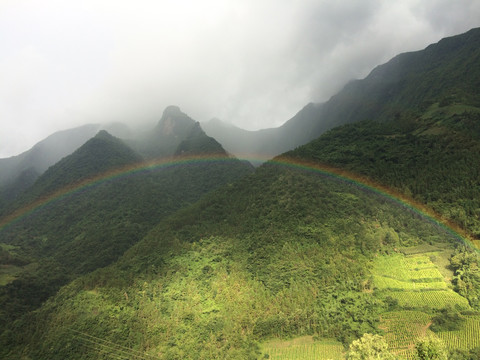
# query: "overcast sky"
(253, 63)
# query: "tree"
(431, 348)
(369, 347)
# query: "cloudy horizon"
(250, 63)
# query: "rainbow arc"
(333, 173)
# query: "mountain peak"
(98, 155)
(174, 128)
(172, 110)
(173, 122)
(197, 142)
(104, 134)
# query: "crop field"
(431, 299)
(382, 283)
(418, 268)
(402, 329)
(304, 348)
(419, 287)
(414, 281)
(468, 337)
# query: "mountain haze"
(89, 220)
(192, 254)
(19, 172)
(174, 134)
(410, 82)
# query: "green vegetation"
(431, 348)
(466, 263)
(283, 262)
(421, 303)
(305, 348)
(282, 253)
(402, 329)
(414, 282)
(90, 228)
(441, 170)
(466, 337)
(369, 347)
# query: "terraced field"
(468, 337)
(419, 289)
(304, 348)
(402, 328)
(415, 282)
(417, 279)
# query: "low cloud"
(251, 63)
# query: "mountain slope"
(284, 252)
(433, 158)
(197, 142)
(99, 154)
(39, 158)
(84, 219)
(448, 71)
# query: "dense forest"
(280, 253)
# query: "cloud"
(252, 63)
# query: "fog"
(251, 63)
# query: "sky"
(252, 63)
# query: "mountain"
(447, 71)
(282, 253)
(17, 173)
(26, 167)
(99, 154)
(91, 206)
(265, 143)
(353, 233)
(197, 142)
(174, 133)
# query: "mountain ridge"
(152, 270)
(447, 69)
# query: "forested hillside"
(433, 157)
(81, 219)
(281, 253)
(446, 72)
(154, 264)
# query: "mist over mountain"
(84, 220)
(171, 135)
(364, 234)
(446, 70)
(175, 134)
(45, 153)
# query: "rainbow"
(108, 176)
(359, 181)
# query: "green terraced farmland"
(468, 337)
(382, 283)
(430, 299)
(402, 329)
(414, 269)
(303, 348)
(415, 282)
